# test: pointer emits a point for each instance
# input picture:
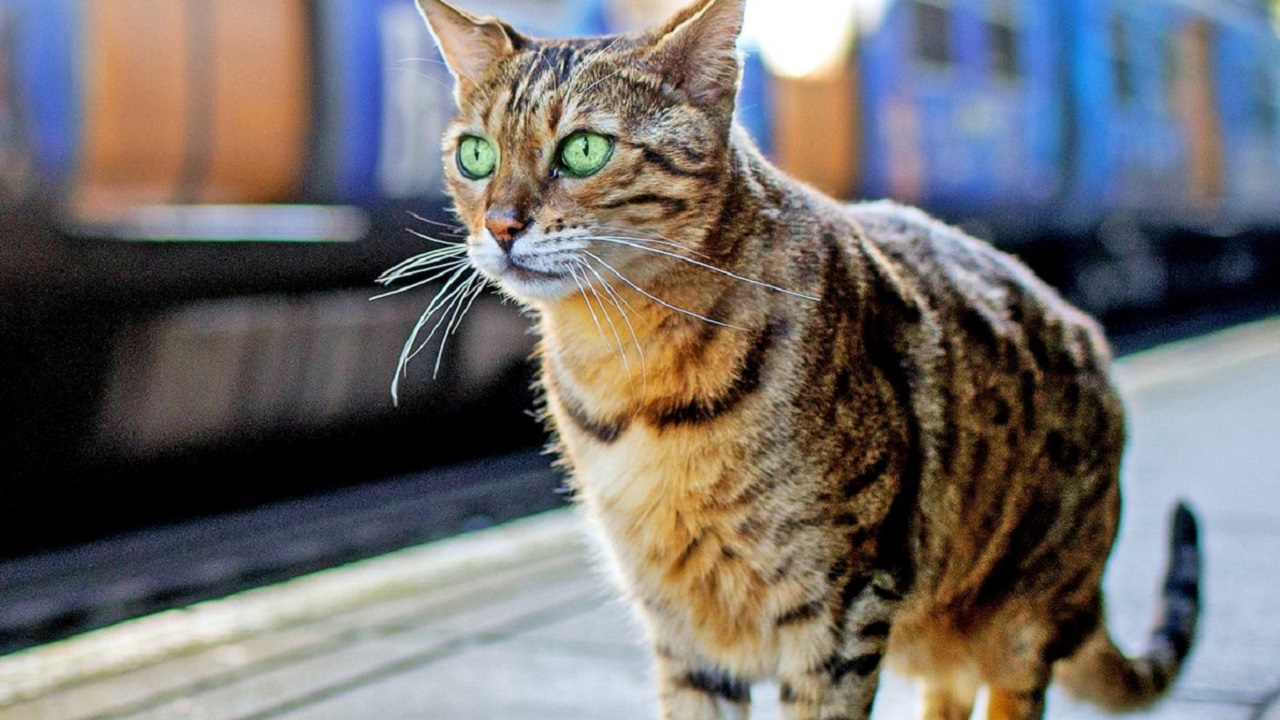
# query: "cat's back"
(985, 298)
(1022, 409)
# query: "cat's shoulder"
(905, 230)
(940, 253)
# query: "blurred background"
(196, 196)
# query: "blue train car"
(40, 86)
(1134, 71)
(1059, 117)
(961, 107)
(371, 103)
(1247, 82)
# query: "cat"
(807, 433)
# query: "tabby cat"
(809, 433)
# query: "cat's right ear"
(470, 45)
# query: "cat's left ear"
(470, 45)
(697, 50)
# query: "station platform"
(515, 622)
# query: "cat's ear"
(697, 50)
(470, 45)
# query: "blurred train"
(196, 194)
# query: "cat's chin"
(532, 287)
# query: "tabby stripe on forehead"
(746, 383)
(517, 97)
(553, 67)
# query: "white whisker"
(407, 352)
(656, 299)
(417, 262)
(440, 271)
(587, 62)
(618, 302)
(610, 76)
(425, 76)
(455, 230)
(657, 240)
(460, 307)
(622, 350)
(447, 66)
(712, 268)
(446, 304)
(583, 291)
(438, 241)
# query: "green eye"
(477, 157)
(584, 153)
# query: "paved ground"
(513, 624)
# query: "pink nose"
(505, 227)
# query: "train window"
(1121, 60)
(1002, 39)
(1265, 99)
(933, 32)
(1002, 44)
(1170, 66)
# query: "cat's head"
(572, 160)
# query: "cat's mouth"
(531, 283)
(524, 273)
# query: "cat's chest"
(658, 503)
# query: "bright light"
(808, 37)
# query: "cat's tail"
(1100, 672)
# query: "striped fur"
(809, 434)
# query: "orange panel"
(261, 107)
(1200, 112)
(135, 106)
(816, 129)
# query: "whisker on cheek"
(623, 233)
(618, 302)
(656, 299)
(621, 351)
(440, 271)
(582, 289)
(707, 266)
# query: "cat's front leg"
(840, 681)
(689, 689)
(843, 690)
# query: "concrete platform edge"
(151, 639)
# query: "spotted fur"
(809, 434)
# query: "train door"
(817, 128)
(1202, 125)
(174, 106)
(814, 86)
